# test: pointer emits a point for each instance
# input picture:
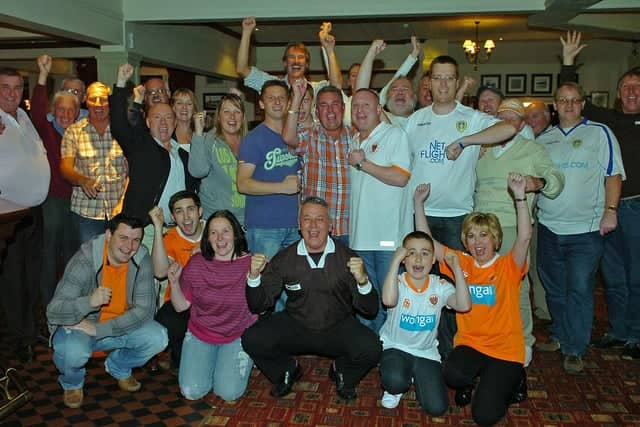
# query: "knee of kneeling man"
(192, 393)
(486, 416)
(229, 395)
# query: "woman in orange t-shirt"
(489, 343)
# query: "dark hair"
(443, 59)
(330, 89)
(239, 240)
(181, 195)
(634, 72)
(418, 235)
(271, 83)
(10, 71)
(492, 89)
(131, 221)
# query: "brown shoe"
(129, 384)
(73, 398)
(548, 346)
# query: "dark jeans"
(58, 243)
(446, 230)
(176, 324)
(19, 277)
(87, 228)
(275, 338)
(398, 368)
(498, 381)
(621, 270)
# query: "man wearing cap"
(525, 157)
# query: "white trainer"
(389, 400)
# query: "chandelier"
(472, 49)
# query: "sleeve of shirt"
(318, 85)
(68, 145)
(263, 296)
(613, 165)
(199, 164)
(404, 69)
(39, 106)
(257, 78)
(247, 153)
(544, 168)
(399, 155)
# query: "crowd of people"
(386, 229)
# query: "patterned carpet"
(607, 394)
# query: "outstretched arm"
(328, 42)
(420, 195)
(290, 128)
(499, 132)
(366, 67)
(461, 299)
(467, 83)
(404, 68)
(242, 60)
(520, 249)
(178, 300)
(159, 256)
(390, 286)
(571, 47)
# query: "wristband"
(524, 199)
(293, 112)
(612, 208)
(461, 145)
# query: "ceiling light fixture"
(472, 49)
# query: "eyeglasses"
(96, 99)
(161, 91)
(448, 79)
(73, 91)
(564, 101)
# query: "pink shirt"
(216, 290)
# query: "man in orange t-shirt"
(105, 301)
(177, 245)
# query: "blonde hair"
(236, 101)
(487, 221)
(184, 92)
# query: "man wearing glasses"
(572, 226)
(76, 87)
(439, 134)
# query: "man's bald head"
(161, 121)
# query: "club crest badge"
(406, 303)
(576, 143)
(461, 126)
(433, 299)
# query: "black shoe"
(520, 394)
(463, 396)
(25, 353)
(288, 380)
(631, 351)
(345, 393)
(607, 341)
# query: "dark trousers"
(176, 324)
(20, 278)
(498, 380)
(447, 230)
(274, 339)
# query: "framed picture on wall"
(210, 100)
(491, 80)
(541, 84)
(516, 84)
(601, 99)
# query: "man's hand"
(327, 40)
(157, 217)
(415, 47)
(2, 126)
(571, 47)
(377, 46)
(453, 150)
(356, 156)
(138, 94)
(532, 184)
(356, 267)
(248, 24)
(199, 119)
(125, 71)
(258, 262)
(421, 193)
(608, 222)
(299, 89)
(44, 64)
(86, 326)
(291, 184)
(101, 296)
(91, 187)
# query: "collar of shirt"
(174, 144)
(55, 124)
(329, 248)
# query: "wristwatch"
(359, 165)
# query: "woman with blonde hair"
(214, 157)
(184, 105)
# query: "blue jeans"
(87, 228)
(398, 368)
(58, 243)
(621, 270)
(377, 265)
(447, 230)
(567, 266)
(72, 349)
(225, 368)
(270, 241)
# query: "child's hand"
(400, 253)
(452, 260)
(421, 193)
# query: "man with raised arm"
(621, 261)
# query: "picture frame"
(491, 80)
(210, 100)
(516, 84)
(600, 99)
(541, 84)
